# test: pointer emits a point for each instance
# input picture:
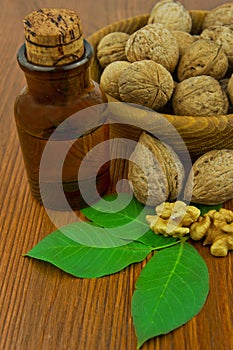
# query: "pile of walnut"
(178, 220)
(165, 67)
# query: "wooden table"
(42, 307)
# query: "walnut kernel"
(217, 230)
(173, 219)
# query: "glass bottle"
(53, 94)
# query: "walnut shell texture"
(210, 180)
(147, 83)
(183, 39)
(221, 16)
(112, 48)
(156, 173)
(203, 57)
(223, 36)
(172, 14)
(109, 80)
(153, 42)
(201, 95)
(230, 88)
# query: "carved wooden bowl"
(199, 133)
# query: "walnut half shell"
(156, 173)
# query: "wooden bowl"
(199, 133)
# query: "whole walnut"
(172, 14)
(201, 95)
(153, 42)
(230, 88)
(219, 16)
(146, 83)
(210, 180)
(111, 48)
(109, 80)
(155, 172)
(184, 40)
(203, 57)
(223, 36)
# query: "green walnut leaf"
(113, 240)
(129, 222)
(205, 208)
(87, 261)
(172, 288)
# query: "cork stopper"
(53, 37)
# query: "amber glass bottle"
(53, 94)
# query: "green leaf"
(118, 210)
(205, 208)
(131, 216)
(172, 288)
(86, 261)
(157, 241)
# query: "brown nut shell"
(155, 172)
(223, 36)
(172, 14)
(184, 40)
(111, 48)
(210, 180)
(146, 83)
(153, 42)
(109, 80)
(220, 16)
(203, 57)
(201, 95)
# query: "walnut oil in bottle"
(55, 60)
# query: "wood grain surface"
(42, 308)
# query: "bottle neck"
(61, 84)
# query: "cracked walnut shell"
(111, 48)
(146, 83)
(203, 57)
(172, 14)
(210, 180)
(153, 42)
(201, 95)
